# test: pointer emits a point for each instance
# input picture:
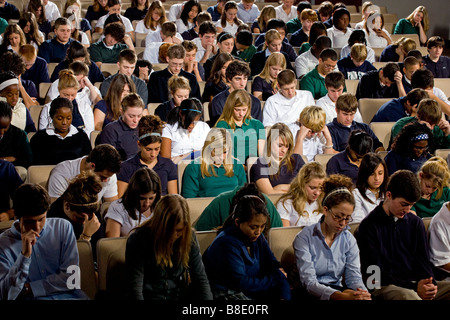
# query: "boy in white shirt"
(335, 83)
(206, 41)
(285, 106)
(115, 7)
(167, 34)
(308, 60)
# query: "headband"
(225, 36)
(83, 204)
(194, 110)
(156, 134)
(336, 191)
(422, 136)
(8, 83)
(247, 196)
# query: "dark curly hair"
(403, 143)
(11, 61)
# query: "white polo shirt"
(330, 109)
(182, 142)
(125, 20)
(309, 217)
(338, 38)
(439, 231)
(282, 15)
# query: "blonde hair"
(425, 21)
(237, 98)
(408, 44)
(436, 169)
(280, 130)
(275, 59)
(297, 189)
(313, 118)
(151, 24)
(170, 210)
(271, 35)
(267, 11)
(359, 52)
(67, 80)
(178, 82)
(309, 14)
(218, 141)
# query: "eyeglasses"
(340, 219)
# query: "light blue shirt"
(46, 269)
(247, 16)
(320, 266)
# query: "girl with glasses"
(329, 242)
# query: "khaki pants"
(392, 292)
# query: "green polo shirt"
(245, 55)
(440, 140)
(100, 53)
(403, 26)
(245, 138)
(218, 211)
(293, 25)
(428, 208)
(315, 83)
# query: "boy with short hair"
(54, 50)
(405, 271)
(248, 11)
(430, 113)
(307, 18)
(341, 126)
(311, 133)
(237, 74)
(243, 47)
(36, 67)
(206, 41)
(107, 50)
(115, 7)
(36, 253)
(295, 24)
(216, 10)
(434, 61)
(285, 106)
(335, 84)
(154, 40)
(410, 65)
(314, 81)
(383, 83)
(191, 65)
(192, 33)
(158, 82)
(308, 60)
(355, 65)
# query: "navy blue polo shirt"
(440, 69)
(391, 111)
(340, 133)
(38, 73)
(53, 51)
(122, 137)
(340, 163)
(165, 168)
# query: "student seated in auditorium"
(54, 50)
(411, 147)
(274, 171)
(153, 19)
(317, 29)
(295, 24)
(384, 239)
(76, 51)
(343, 124)
(9, 11)
(190, 63)
(347, 162)
(216, 10)
(193, 32)
(37, 253)
(150, 129)
(243, 47)
(80, 205)
(398, 108)
(264, 85)
(107, 49)
(335, 84)
(248, 134)
(308, 60)
(185, 133)
(104, 160)
(135, 206)
(340, 31)
(114, 8)
(310, 133)
(216, 171)
(237, 74)
(154, 40)
(158, 82)
(224, 44)
(355, 65)
(397, 51)
(239, 262)
(285, 106)
(14, 145)
(10, 88)
(122, 133)
(217, 81)
(68, 86)
(358, 36)
(409, 66)
(429, 113)
(60, 141)
(314, 81)
(301, 206)
(35, 67)
(383, 83)
(434, 60)
(11, 180)
(179, 90)
(273, 43)
(206, 43)
(313, 243)
(307, 18)
(126, 64)
(218, 210)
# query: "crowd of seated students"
(261, 139)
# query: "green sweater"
(218, 211)
(245, 55)
(245, 138)
(100, 53)
(293, 25)
(315, 83)
(440, 140)
(428, 208)
(195, 186)
(403, 26)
